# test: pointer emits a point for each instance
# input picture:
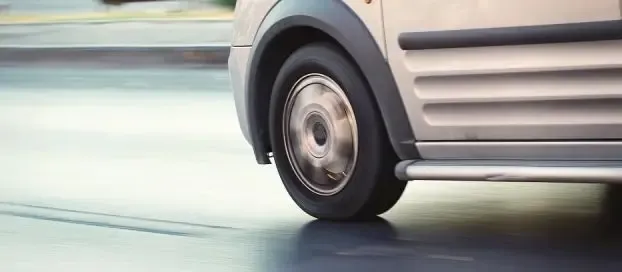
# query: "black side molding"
(523, 35)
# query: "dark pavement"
(146, 170)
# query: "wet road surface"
(146, 170)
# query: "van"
(351, 99)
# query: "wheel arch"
(294, 23)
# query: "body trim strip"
(504, 36)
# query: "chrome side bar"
(511, 171)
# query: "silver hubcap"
(320, 133)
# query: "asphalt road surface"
(146, 170)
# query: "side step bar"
(511, 170)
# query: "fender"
(336, 19)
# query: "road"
(146, 170)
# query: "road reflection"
(540, 240)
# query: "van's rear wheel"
(328, 140)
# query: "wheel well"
(277, 52)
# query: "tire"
(366, 185)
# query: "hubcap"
(321, 134)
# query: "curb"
(130, 56)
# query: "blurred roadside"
(84, 11)
(169, 32)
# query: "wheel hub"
(321, 134)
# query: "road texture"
(146, 170)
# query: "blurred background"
(73, 7)
(120, 151)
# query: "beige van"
(353, 98)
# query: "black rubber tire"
(373, 188)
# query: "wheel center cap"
(319, 133)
